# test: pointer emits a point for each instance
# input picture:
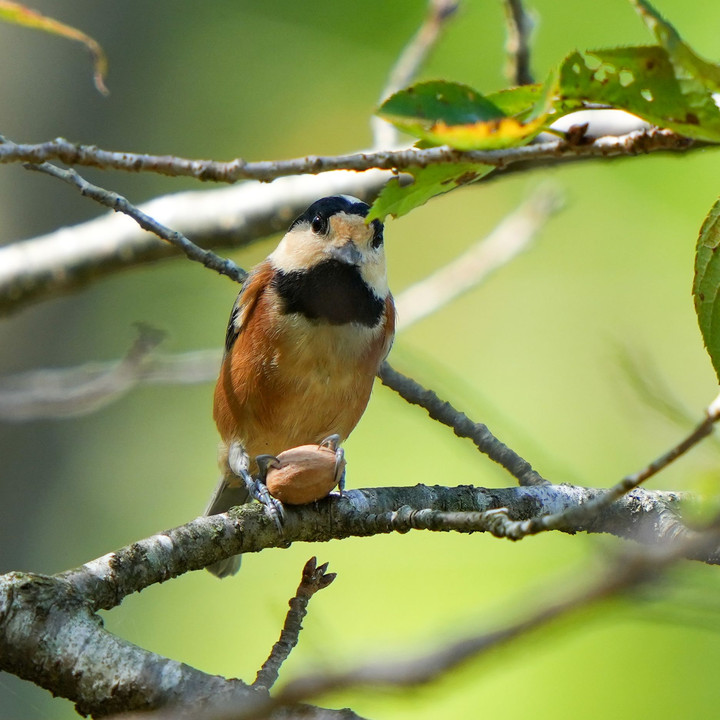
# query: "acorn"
(304, 474)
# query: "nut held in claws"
(304, 474)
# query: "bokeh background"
(538, 353)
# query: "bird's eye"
(319, 224)
(377, 240)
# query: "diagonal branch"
(512, 236)
(442, 411)
(120, 204)
(581, 514)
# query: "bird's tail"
(225, 497)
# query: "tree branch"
(408, 64)
(646, 517)
(51, 636)
(314, 579)
(576, 516)
(118, 203)
(442, 411)
(519, 28)
(69, 258)
(642, 141)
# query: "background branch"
(519, 28)
(408, 64)
(69, 258)
(511, 237)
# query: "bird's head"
(332, 233)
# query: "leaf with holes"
(689, 66)
(396, 199)
(706, 285)
(641, 80)
(18, 14)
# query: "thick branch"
(51, 637)
(647, 517)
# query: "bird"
(307, 334)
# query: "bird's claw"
(332, 442)
(273, 507)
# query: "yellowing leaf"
(501, 133)
(19, 14)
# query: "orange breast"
(288, 381)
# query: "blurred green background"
(536, 353)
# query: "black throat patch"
(331, 291)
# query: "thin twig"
(626, 572)
(408, 64)
(314, 578)
(118, 203)
(462, 426)
(633, 143)
(519, 28)
(511, 237)
(582, 514)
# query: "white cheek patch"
(298, 250)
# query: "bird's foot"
(258, 489)
(333, 443)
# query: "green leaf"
(18, 14)
(442, 113)
(706, 285)
(517, 101)
(689, 67)
(430, 102)
(643, 81)
(396, 199)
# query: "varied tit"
(306, 337)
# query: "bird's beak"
(347, 253)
